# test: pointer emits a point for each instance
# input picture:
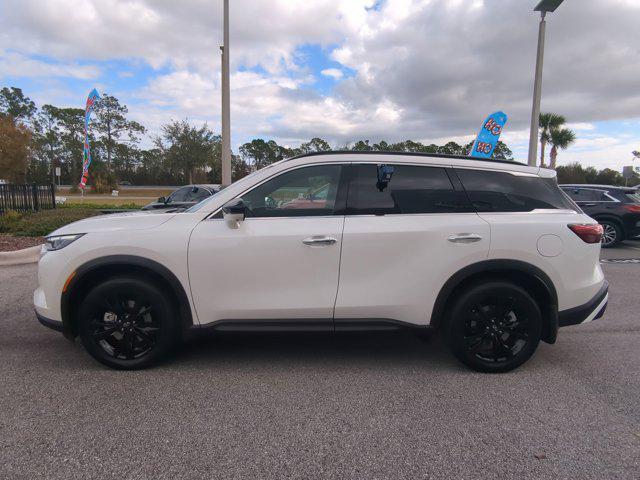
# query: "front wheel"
(127, 323)
(494, 326)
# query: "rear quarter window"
(491, 191)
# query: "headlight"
(60, 241)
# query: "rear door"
(403, 241)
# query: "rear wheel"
(127, 323)
(612, 234)
(494, 326)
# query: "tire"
(612, 233)
(127, 323)
(494, 326)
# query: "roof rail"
(412, 154)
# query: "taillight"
(588, 233)
(632, 207)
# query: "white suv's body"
(324, 258)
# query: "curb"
(20, 257)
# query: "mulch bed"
(9, 243)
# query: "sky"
(343, 70)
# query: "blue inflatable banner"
(489, 135)
(86, 153)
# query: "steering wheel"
(269, 202)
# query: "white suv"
(492, 253)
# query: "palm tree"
(560, 138)
(548, 122)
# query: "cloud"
(17, 65)
(421, 69)
(334, 73)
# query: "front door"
(283, 260)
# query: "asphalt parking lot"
(374, 406)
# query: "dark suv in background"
(617, 209)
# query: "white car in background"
(492, 253)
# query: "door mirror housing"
(162, 200)
(234, 212)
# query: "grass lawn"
(104, 201)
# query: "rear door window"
(491, 191)
(412, 189)
(587, 195)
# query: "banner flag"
(86, 153)
(489, 135)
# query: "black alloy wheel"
(127, 323)
(494, 326)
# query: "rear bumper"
(591, 310)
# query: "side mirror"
(162, 200)
(234, 212)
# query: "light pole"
(543, 7)
(226, 107)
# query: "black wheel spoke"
(105, 333)
(101, 324)
(141, 312)
(128, 346)
(501, 347)
(145, 336)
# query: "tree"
(187, 148)
(502, 152)
(14, 149)
(560, 138)
(71, 123)
(47, 138)
(314, 145)
(259, 153)
(590, 174)
(113, 128)
(572, 173)
(609, 177)
(362, 146)
(451, 148)
(14, 103)
(548, 122)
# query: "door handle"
(319, 241)
(465, 238)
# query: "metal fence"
(27, 198)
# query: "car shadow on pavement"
(308, 349)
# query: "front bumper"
(52, 324)
(591, 310)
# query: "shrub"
(9, 220)
(104, 182)
(39, 224)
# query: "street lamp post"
(543, 7)
(226, 107)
